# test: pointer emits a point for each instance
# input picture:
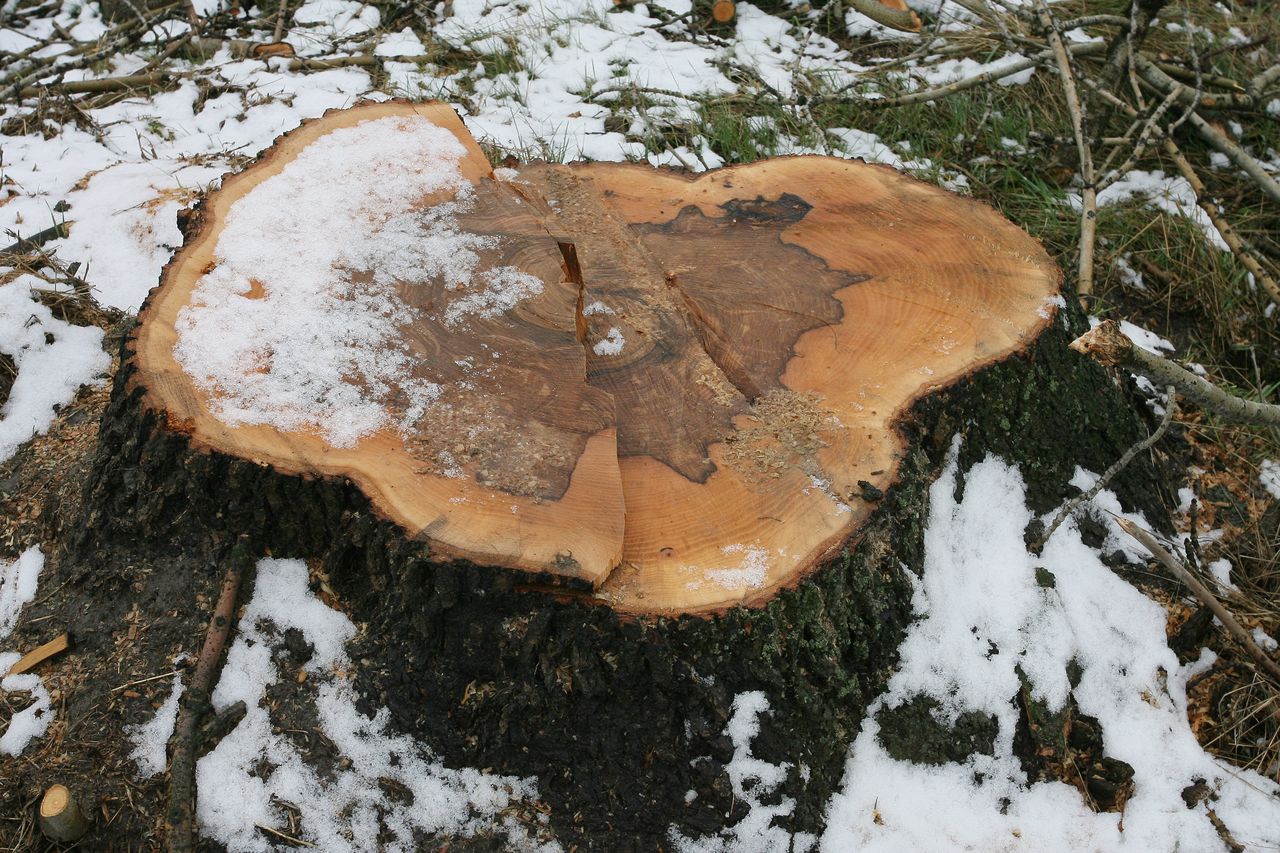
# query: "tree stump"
(592, 447)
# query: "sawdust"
(785, 433)
(480, 440)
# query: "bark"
(496, 669)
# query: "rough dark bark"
(617, 716)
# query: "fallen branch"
(1089, 192)
(1107, 345)
(1033, 61)
(17, 83)
(1229, 235)
(40, 654)
(1118, 466)
(101, 84)
(1210, 134)
(24, 245)
(1258, 86)
(1237, 155)
(180, 815)
(1094, 21)
(895, 19)
(1203, 593)
(1186, 75)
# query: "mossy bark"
(618, 717)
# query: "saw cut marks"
(662, 389)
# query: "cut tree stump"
(662, 390)
(590, 448)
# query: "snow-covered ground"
(546, 81)
(18, 583)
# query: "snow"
(610, 344)
(151, 739)
(32, 721)
(752, 781)
(1221, 571)
(1269, 477)
(867, 146)
(403, 43)
(53, 358)
(239, 783)
(1127, 273)
(750, 572)
(18, 587)
(1170, 194)
(954, 70)
(18, 582)
(979, 589)
(342, 361)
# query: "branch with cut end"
(1258, 86)
(1203, 593)
(895, 19)
(180, 814)
(989, 76)
(1229, 235)
(1160, 81)
(1089, 192)
(1109, 346)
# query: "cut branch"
(1089, 192)
(1206, 597)
(1109, 346)
(1229, 235)
(180, 815)
(894, 18)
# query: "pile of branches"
(1121, 99)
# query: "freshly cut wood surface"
(682, 409)
(577, 533)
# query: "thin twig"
(180, 814)
(1229, 235)
(1202, 592)
(1210, 134)
(1089, 192)
(282, 836)
(1107, 345)
(989, 76)
(1119, 465)
(1150, 128)
(138, 81)
(145, 680)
